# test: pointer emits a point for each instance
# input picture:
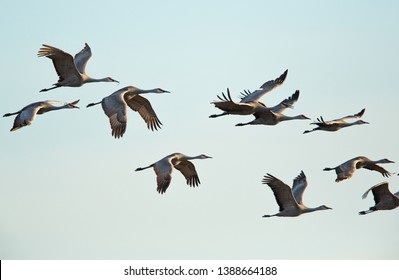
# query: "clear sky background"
(68, 188)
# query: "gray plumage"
(71, 71)
(383, 198)
(290, 200)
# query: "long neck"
(308, 210)
(94, 80)
(141, 91)
(288, 118)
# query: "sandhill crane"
(249, 100)
(348, 168)
(164, 168)
(71, 71)
(115, 107)
(337, 124)
(383, 198)
(273, 115)
(290, 200)
(26, 115)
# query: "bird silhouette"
(164, 168)
(249, 100)
(347, 169)
(26, 115)
(383, 198)
(71, 70)
(290, 200)
(337, 124)
(115, 107)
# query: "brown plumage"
(347, 169)
(383, 198)
(115, 107)
(71, 71)
(164, 168)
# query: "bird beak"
(115, 81)
(73, 104)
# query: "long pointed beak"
(73, 104)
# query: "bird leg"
(218, 115)
(47, 89)
(10, 114)
(92, 104)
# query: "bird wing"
(227, 104)
(286, 103)
(282, 192)
(26, 115)
(81, 58)
(346, 169)
(265, 88)
(187, 168)
(163, 169)
(380, 192)
(63, 63)
(349, 118)
(373, 166)
(299, 186)
(114, 107)
(141, 105)
(321, 122)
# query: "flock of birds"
(72, 73)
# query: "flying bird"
(348, 168)
(337, 124)
(290, 200)
(164, 168)
(26, 115)
(383, 198)
(71, 70)
(249, 100)
(273, 115)
(115, 107)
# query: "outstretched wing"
(114, 107)
(286, 103)
(63, 62)
(141, 105)
(227, 104)
(82, 57)
(380, 192)
(187, 168)
(378, 168)
(299, 186)
(265, 88)
(282, 192)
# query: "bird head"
(303, 117)
(324, 207)
(385, 160)
(159, 90)
(109, 79)
(73, 104)
(362, 122)
(204, 156)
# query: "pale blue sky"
(69, 190)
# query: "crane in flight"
(164, 168)
(383, 198)
(115, 107)
(26, 115)
(347, 169)
(290, 200)
(71, 70)
(273, 115)
(337, 124)
(249, 100)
